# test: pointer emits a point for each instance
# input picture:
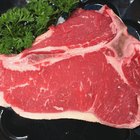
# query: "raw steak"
(86, 68)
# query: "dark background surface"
(13, 127)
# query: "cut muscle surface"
(86, 68)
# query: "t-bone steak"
(87, 68)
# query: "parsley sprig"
(20, 26)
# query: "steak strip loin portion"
(87, 68)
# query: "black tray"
(13, 127)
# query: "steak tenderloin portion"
(86, 68)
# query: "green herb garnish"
(20, 26)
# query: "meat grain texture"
(87, 68)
